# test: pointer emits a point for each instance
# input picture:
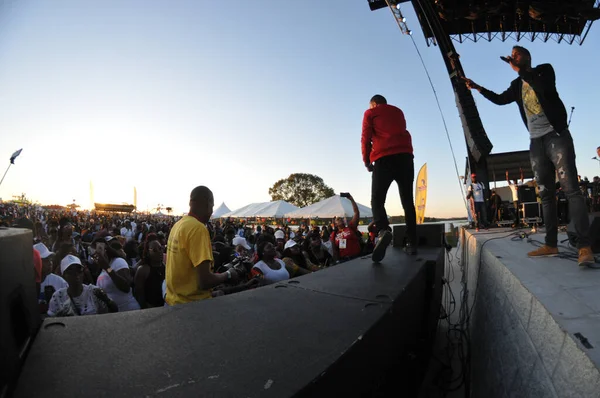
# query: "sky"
(167, 95)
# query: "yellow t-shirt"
(188, 246)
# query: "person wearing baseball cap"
(50, 282)
(475, 191)
(239, 241)
(78, 299)
(295, 261)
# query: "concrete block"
(546, 336)
(521, 299)
(495, 380)
(589, 328)
(526, 354)
(527, 313)
(575, 375)
(539, 384)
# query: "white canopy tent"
(277, 209)
(246, 211)
(335, 206)
(220, 211)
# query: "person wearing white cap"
(115, 277)
(238, 240)
(50, 282)
(241, 247)
(78, 299)
(280, 242)
(294, 258)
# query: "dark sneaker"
(385, 237)
(410, 249)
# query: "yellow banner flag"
(421, 194)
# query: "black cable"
(437, 100)
(458, 334)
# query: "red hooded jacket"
(384, 133)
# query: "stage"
(355, 329)
(535, 323)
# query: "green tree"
(301, 189)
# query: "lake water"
(448, 225)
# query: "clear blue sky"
(167, 95)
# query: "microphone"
(505, 59)
(595, 158)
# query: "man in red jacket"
(388, 153)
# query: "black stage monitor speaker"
(531, 210)
(594, 232)
(526, 194)
(19, 313)
(430, 235)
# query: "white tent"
(246, 211)
(334, 206)
(220, 211)
(276, 209)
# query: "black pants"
(517, 218)
(552, 153)
(481, 219)
(399, 168)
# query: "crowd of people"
(92, 263)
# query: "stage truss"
(566, 21)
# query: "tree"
(301, 189)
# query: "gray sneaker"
(385, 237)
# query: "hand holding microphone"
(511, 62)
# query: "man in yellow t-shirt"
(189, 254)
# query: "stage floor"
(549, 299)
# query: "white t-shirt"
(125, 301)
(51, 280)
(477, 189)
(513, 190)
(272, 275)
(127, 233)
(85, 304)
